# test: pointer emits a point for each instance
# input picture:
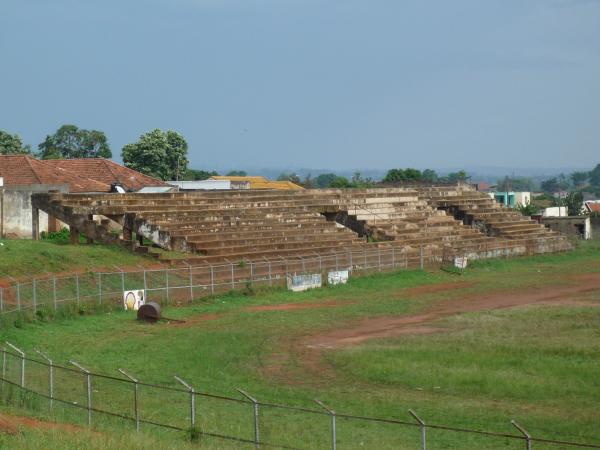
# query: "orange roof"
(107, 172)
(257, 182)
(593, 205)
(23, 170)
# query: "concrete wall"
(17, 209)
(574, 226)
(595, 224)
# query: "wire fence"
(42, 383)
(183, 285)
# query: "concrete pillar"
(52, 224)
(74, 232)
(35, 224)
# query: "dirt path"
(11, 424)
(308, 350)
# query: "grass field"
(22, 258)
(537, 362)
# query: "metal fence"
(182, 285)
(42, 384)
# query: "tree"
(11, 144)
(237, 173)
(461, 175)
(289, 177)
(197, 175)
(579, 179)
(340, 182)
(574, 202)
(528, 209)
(159, 154)
(70, 142)
(515, 184)
(555, 184)
(395, 175)
(324, 180)
(429, 175)
(594, 177)
(308, 182)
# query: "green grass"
(536, 364)
(26, 258)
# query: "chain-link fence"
(181, 285)
(82, 394)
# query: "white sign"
(298, 283)
(337, 277)
(459, 262)
(132, 300)
(1, 181)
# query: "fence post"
(135, 399)
(50, 375)
(270, 276)
(423, 429)
(167, 284)
(122, 281)
(88, 378)
(191, 277)
(333, 430)
(524, 432)
(3, 365)
(22, 353)
(34, 282)
(232, 277)
(212, 280)
(255, 409)
(19, 295)
(251, 274)
(100, 287)
(1, 299)
(145, 287)
(421, 257)
(350, 258)
(54, 292)
(192, 401)
(379, 258)
(77, 288)
(365, 256)
(393, 258)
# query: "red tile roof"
(593, 206)
(23, 170)
(81, 175)
(107, 172)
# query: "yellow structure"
(260, 183)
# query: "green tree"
(395, 175)
(70, 142)
(198, 175)
(429, 175)
(461, 175)
(528, 209)
(325, 179)
(574, 203)
(289, 177)
(555, 184)
(161, 154)
(579, 178)
(515, 184)
(237, 173)
(340, 182)
(11, 144)
(594, 177)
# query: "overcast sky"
(319, 84)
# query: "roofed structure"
(107, 172)
(257, 182)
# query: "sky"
(332, 84)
